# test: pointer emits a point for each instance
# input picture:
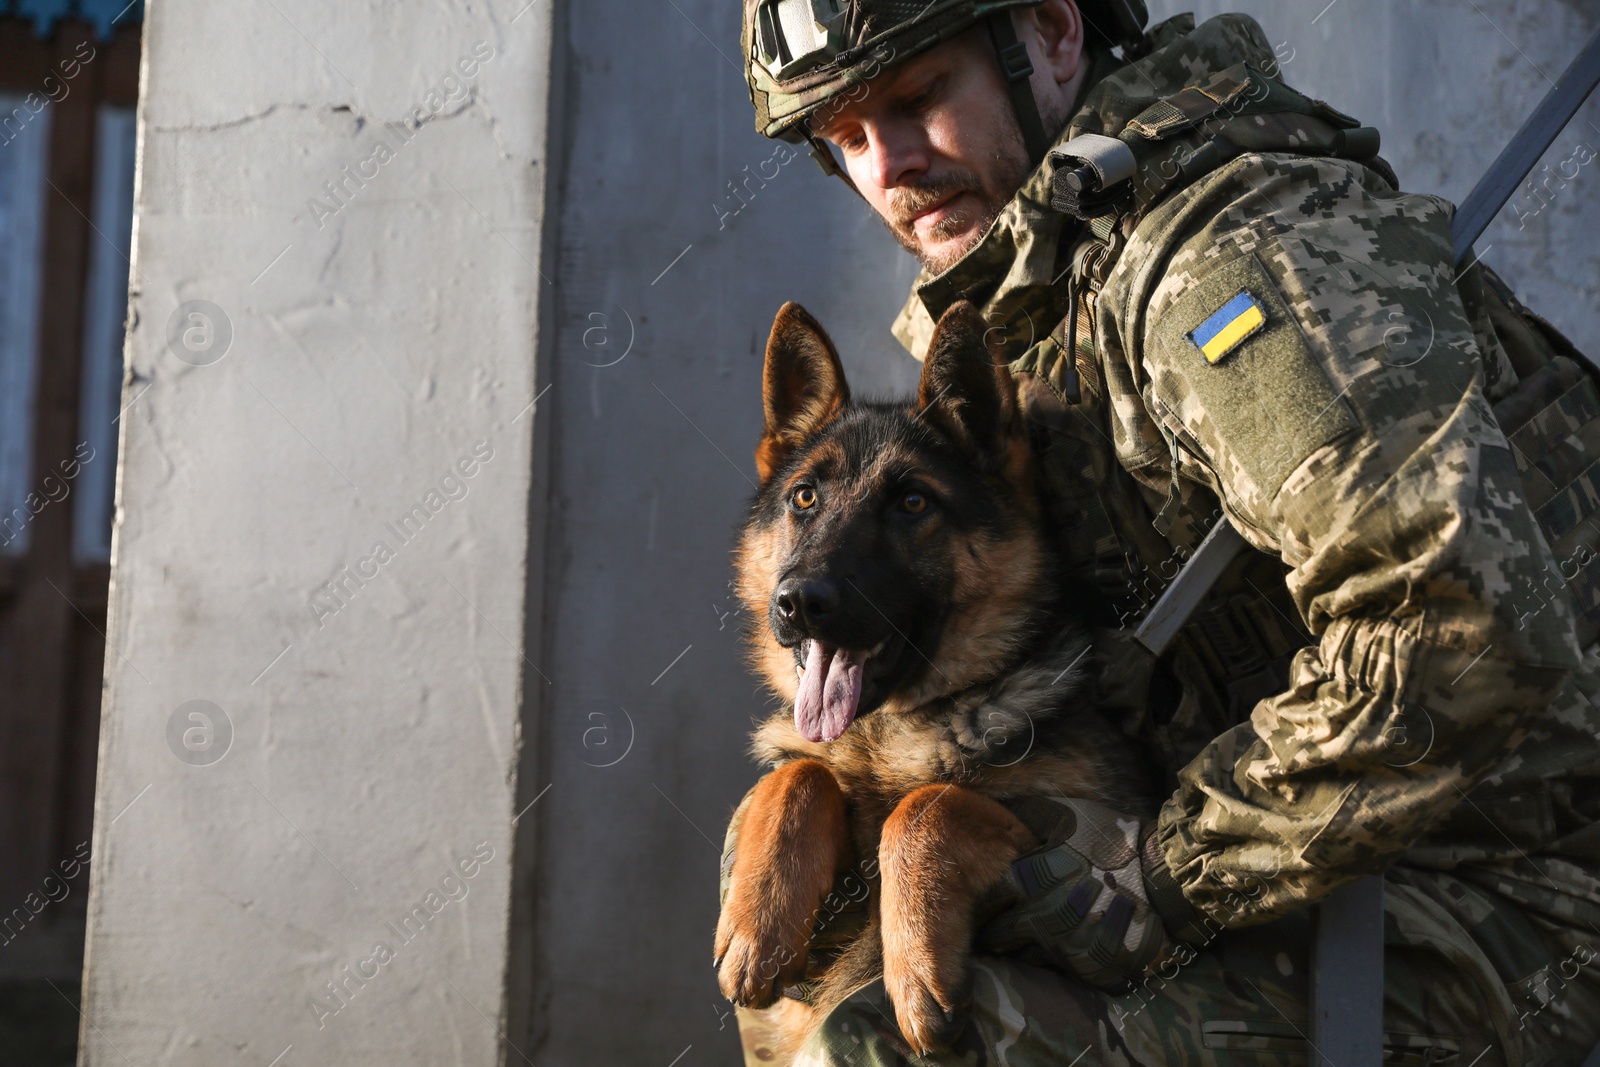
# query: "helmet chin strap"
(1016, 68)
(824, 157)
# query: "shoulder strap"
(1182, 137)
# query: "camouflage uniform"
(1436, 721)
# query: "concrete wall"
(287, 771)
(404, 331)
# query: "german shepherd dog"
(909, 609)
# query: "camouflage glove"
(730, 842)
(1097, 901)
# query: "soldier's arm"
(1346, 431)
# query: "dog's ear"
(802, 385)
(963, 390)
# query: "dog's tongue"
(830, 691)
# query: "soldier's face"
(933, 146)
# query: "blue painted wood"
(44, 13)
(103, 15)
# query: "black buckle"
(1076, 191)
(1014, 62)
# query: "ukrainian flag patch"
(1227, 326)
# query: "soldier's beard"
(1008, 170)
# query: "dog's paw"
(793, 838)
(927, 1003)
(941, 848)
(752, 967)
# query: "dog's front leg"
(942, 847)
(793, 839)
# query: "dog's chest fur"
(1032, 732)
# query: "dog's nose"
(805, 602)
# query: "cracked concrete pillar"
(306, 847)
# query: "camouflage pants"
(1470, 979)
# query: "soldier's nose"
(897, 153)
(806, 601)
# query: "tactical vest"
(1543, 392)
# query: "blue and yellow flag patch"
(1227, 326)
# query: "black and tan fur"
(918, 525)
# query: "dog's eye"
(914, 503)
(804, 497)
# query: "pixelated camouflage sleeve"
(1294, 326)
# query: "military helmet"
(799, 54)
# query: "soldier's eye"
(804, 497)
(923, 97)
(914, 503)
(850, 138)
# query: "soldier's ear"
(802, 386)
(964, 391)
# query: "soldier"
(1250, 320)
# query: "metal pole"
(1516, 160)
(1347, 977)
